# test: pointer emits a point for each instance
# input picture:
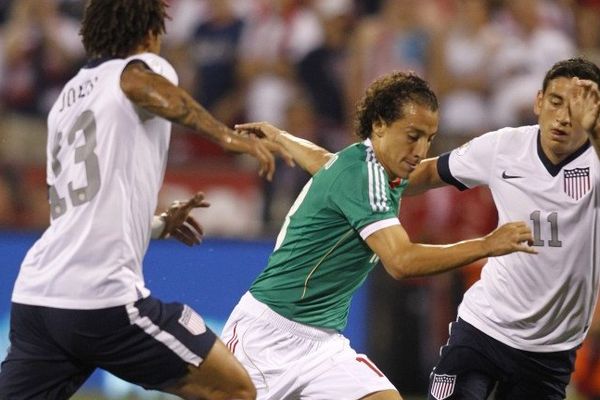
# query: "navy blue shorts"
(472, 364)
(53, 351)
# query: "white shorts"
(289, 360)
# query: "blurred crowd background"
(303, 65)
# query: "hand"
(261, 129)
(180, 224)
(584, 104)
(252, 145)
(509, 238)
(269, 134)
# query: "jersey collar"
(396, 182)
(554, 169)
(94, 62)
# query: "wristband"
(158, 226)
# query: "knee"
(244, 391)
(248, 393)
(239, 389)
(240, 392)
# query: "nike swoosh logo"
(506, 176)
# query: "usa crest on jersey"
(442, 386)
(576, 182)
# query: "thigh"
(346, 375)
(538, 375)
(269, 356)
(384, 395)
(220, 376)
(469, 385)
(529, 390)
(465, 369)
(157, 346)
(35, 366)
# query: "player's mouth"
(411, 166)
(558, 134)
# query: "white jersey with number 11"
(543, 302)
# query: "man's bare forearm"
(160, 97)
(306, 154)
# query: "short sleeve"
(159, 65)
(361, 192)
(471, 164)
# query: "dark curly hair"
(114, 28)
(571, 68)
(386, 97)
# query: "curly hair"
(386, 97)
(571, 68)
(114, 28)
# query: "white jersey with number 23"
(106, 163)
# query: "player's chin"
(404, 174)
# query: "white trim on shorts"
(162, 336)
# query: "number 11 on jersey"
(537, 229)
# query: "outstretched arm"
(305, 153)
(403, 259)
(155, 94)
(424, 177)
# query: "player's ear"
(537, 105)
(377, 127)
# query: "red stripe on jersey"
(370, 365)
(234, 337)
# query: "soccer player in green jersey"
(286, 329)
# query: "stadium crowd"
(302, 65)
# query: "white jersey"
(106, 163)
(543, 302)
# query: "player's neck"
(555, 155)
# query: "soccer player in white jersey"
(79, 302)
(519, 326)
(286, 329)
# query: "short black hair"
(573, 68)
(114, 28)
(386, 97)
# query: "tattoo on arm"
(155, 94)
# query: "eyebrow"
(421, 132)
(418, 131)
(557, 96)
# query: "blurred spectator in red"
(8, 199)
(586, 378)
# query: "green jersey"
(320, 258)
